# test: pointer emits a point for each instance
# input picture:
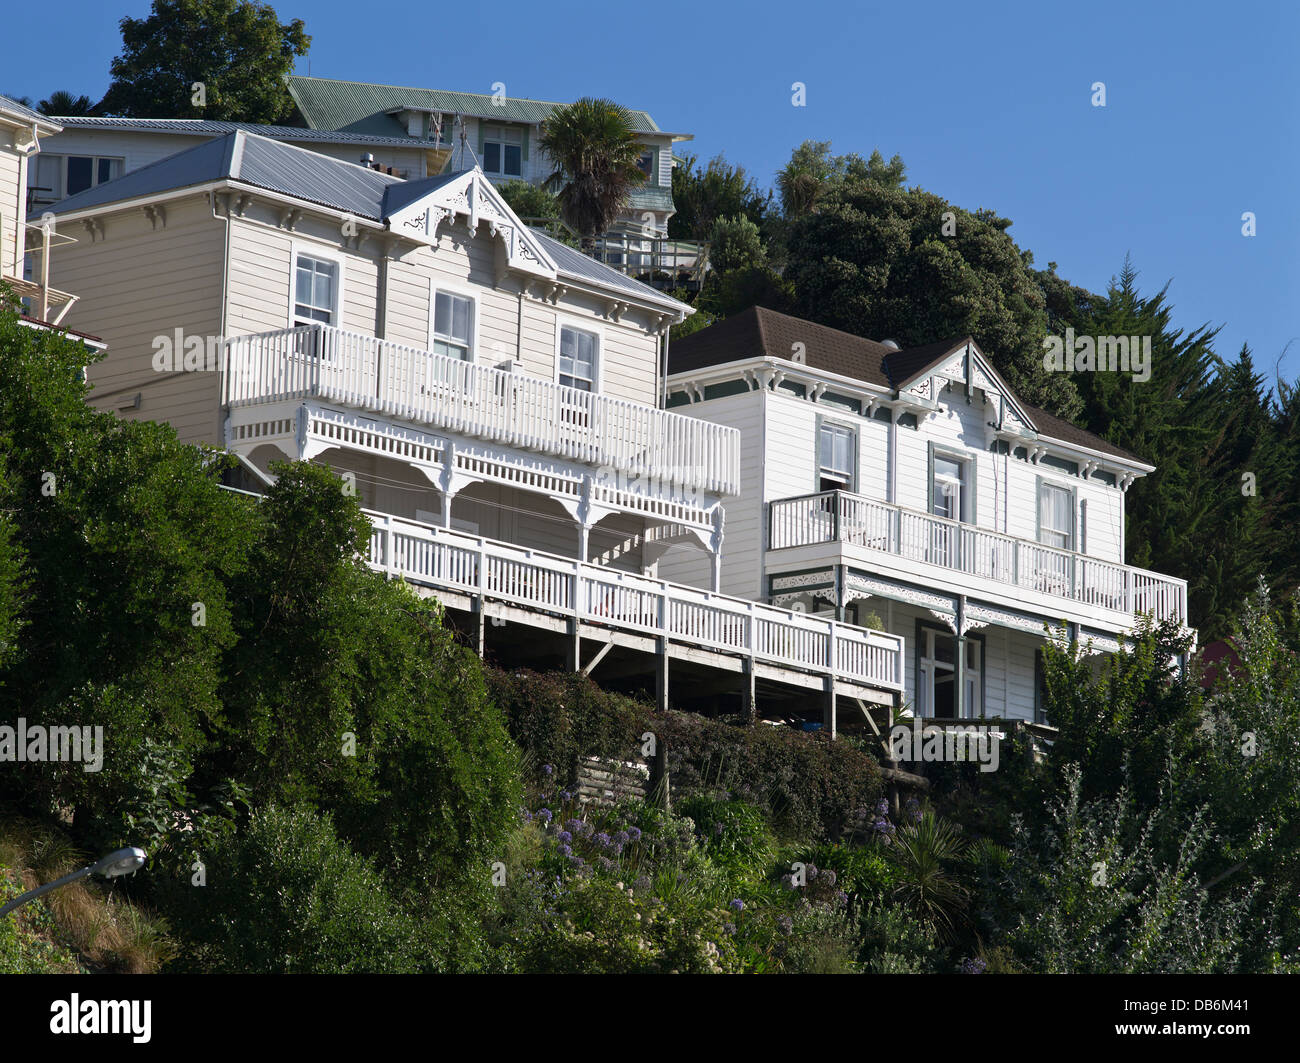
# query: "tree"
(62, 103)
(719, 190)
(595, 151)
(218, 59)
(529, 200)
(127, 543)
(879, 260)
(734, 243)
(328, 649)
(813, 173)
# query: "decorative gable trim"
(472, 196)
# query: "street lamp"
(121, 862)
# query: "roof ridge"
(453, 91)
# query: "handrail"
(545, 582)
(843, 516)
(515, 409)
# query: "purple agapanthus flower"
(972, 966)
(565, 851)
(547, 769)
(634, 834)
(545, 815)
(738, 904)
(829, 877)
(728, 928)
(565, 836)
(602, 839)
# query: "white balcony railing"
(411, 384)
(840, 516)
(499, 571)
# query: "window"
(453, 317)
(578, 353)
(646, 164)
(55, 177)
(948, 487)
(836, 449)
(1055, 516)
(503, 150)
(315, 295)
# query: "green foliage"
(596, 151)
(238, 49)
(719, 190)
(124, 536)
(733, 833)
(923, 852)
(735, 243)
(64, 104)
(285, 895)
(529, 200)
(329, 650)
(813, 173)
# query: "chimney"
(368, 161)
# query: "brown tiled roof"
(1055, 428)
(758, 332)
(762, 333)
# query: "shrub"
(285, 895)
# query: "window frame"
(593, 329)
(498, 138)
(437, 286)
(1072, 534)
(298, 250)
(967, 510)
(61, 193)
(834, 424)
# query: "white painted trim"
(329, 254)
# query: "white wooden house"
(494, 395)
(912, 489)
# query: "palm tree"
(62, 103)
(922, 851)
(595, 151)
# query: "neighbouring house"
(912, 489)
(405, 132)
(492, 395)
(501, 131)
(25, 249)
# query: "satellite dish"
(893, 345)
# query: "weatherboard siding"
(136, 284)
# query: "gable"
(416, 210)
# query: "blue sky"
(989, 105)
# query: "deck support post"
(573, 646)
(748, 698)
(828, 706)
(661, 674)
(478, 617)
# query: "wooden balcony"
(627, 604)
(844, 517)
(419, 387)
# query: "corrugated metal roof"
(363, 106)
(315, 178)
(24, 112)
(583, 267)
(199, 127)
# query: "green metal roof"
(361, 107)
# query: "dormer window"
(646, 164)
(503, 150)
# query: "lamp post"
(121, 862)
